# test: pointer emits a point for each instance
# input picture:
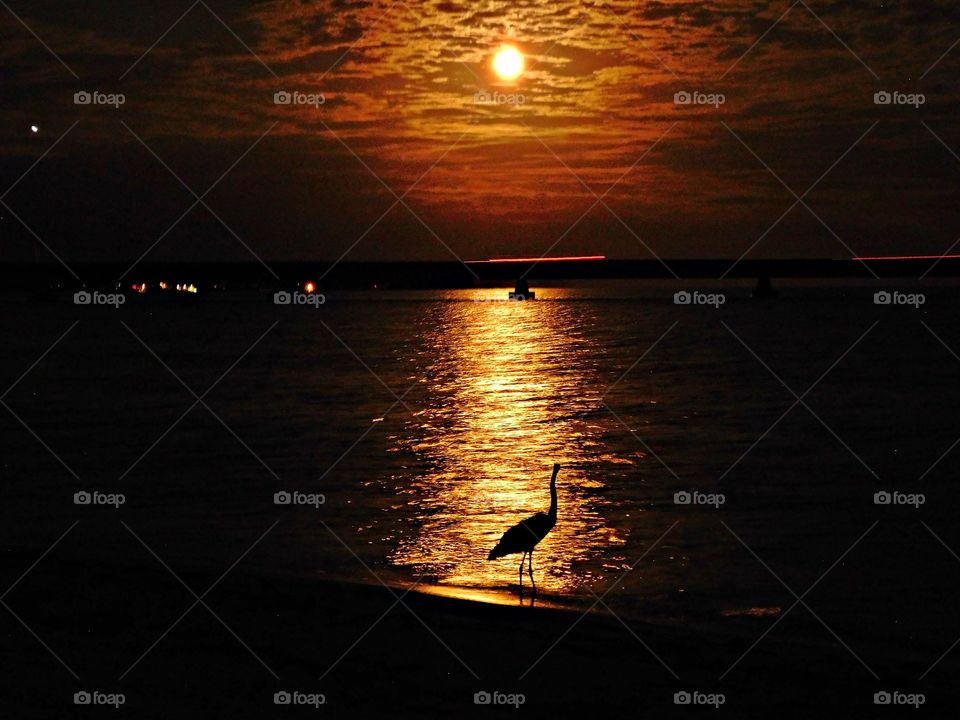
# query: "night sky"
(587, 152)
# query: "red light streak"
(906, 257)
(573, 258)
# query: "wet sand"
(426, 657)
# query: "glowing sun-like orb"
(508, 63)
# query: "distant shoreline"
(453, 274)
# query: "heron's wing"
(539, 525)
(534, 527)
(523, 536)
(516, 535)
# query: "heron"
(526, 534)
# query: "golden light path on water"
(513, 391)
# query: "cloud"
(400, 83)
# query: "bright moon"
(508, 63)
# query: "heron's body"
(526, 534)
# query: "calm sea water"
(430, 422)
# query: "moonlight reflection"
(511, 397)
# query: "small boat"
(764, 290)
(522, 291)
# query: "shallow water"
(636, 397)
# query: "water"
(431, 420)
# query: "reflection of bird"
(524, 536)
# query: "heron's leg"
(522, 557)
(531, 574)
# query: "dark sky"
(588, 154)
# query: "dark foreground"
(254, 636)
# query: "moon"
(508, 63)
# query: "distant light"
(141, 288)
(572, 258)
(163, 285)
(309, 287)
(34, 129)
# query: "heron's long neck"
(553, 497)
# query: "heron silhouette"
(526, 534)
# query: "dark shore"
(417, 662)
(41, 277)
